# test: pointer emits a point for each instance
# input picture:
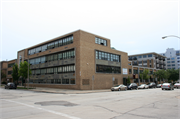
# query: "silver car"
(167, 86)
(119, 87)
(142, 86)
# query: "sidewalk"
(66, 91)
(62, 91)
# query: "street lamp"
(176, 37)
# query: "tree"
(3, 75)
(145, 74)
(173, 74)
(15, 74)
(23, 69)
(128, 80)
(161, 74)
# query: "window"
(55, 70)
(173, 64)
(100, 41)
(11, 65)
(172, 61)
(107, 69)
(140, 56)
(10, 72)
(56, 44)
(150, 55)
(72, 81)
(65, 81)
(38, 49)
(144, 56)
(43, 71)
(172, 58)
(130, 71)
(107, 56)
(168, 61)
(50, 71)
(37, 72)
(168, 58)
(44, 48)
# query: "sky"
(133, 26)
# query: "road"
(136, 104)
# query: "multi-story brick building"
(7, 68)
(151, 61)
(77, 60)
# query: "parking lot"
(137, 104)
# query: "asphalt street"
(136, 104)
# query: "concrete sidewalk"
(62, 91)
(66, 91)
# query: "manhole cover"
(56, 103)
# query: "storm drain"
(56, 103)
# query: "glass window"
(144, 56)
(172, 58)
(96, 54)
(59, 69)
(55, 70)
(150, 55)
(38, 49)
(55, 57)
(140, 56)
(43, 59)
(60, 56)
(43, 71)
(173, 64)
(44, 47)
(72, 81)
(60, 42)
(56, 44)
(168, 58)
(172, 61)
(100, 41)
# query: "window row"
(54, 70)
(53, 57)
(107, 56)
(53, 81)
(100, 41)
(55, 44)
(10, 72)
(108, 69)
(11, 65)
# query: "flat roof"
(147, 54)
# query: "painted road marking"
(50, 111)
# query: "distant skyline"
(133, 26)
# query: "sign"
(125, 71)
(113, 78)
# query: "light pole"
(176, 37)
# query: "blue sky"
(134, 26)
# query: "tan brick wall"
(85, 46)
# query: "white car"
(142, 86)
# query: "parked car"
(159, 86)
(167, 86)
(10, 85)
(132, 86)
(146, 86)
(177, 85)
(142, 86)
(119, 87)
(152, 85)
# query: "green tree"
(145, 74)
(162, 74)
(15, 74)
(173, 74)
(23, 70)
(3, 75)
(128, 80)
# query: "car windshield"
(143, 84)
(166, 83)
(117, 85)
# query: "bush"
(3, 82)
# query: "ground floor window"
(53, 81)
(108, 69)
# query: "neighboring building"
(151, 61)
(4, 65)
(7, 68)
(173, 58)
(77, 60)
